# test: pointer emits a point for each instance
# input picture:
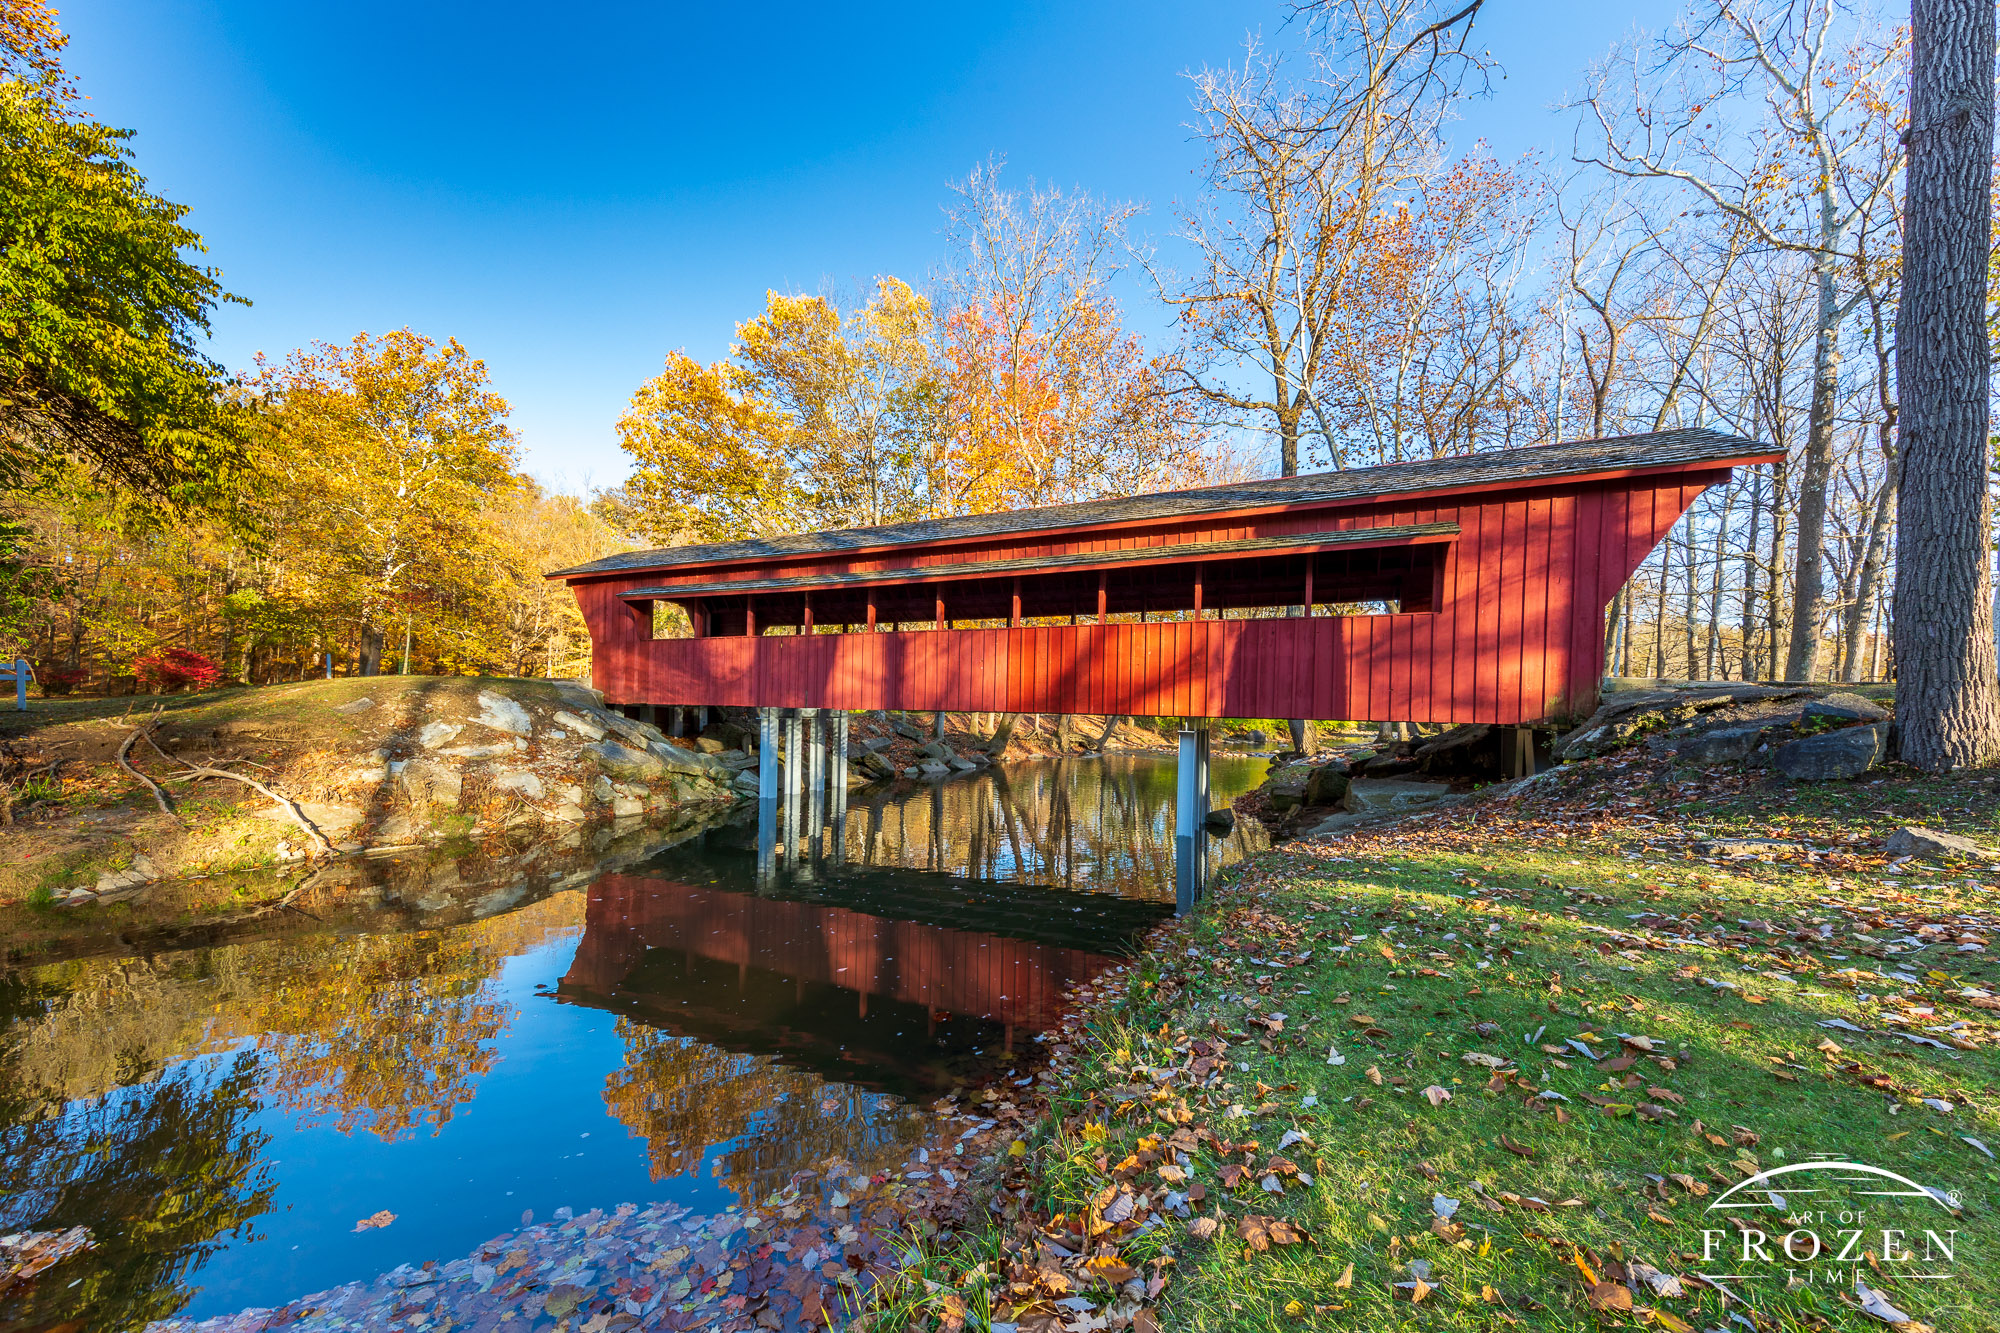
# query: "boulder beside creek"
(1847, 753)
(1377, 795)
(1284, 796)
(1625, 719)
(1327, 785)
(1723, 745)
(872, 766)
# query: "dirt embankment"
(370, 763)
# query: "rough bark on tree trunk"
(1613, 615)
(1868, 584)
(1002, 733)
(1807, 575)
(1947, 706)
(1748, 628)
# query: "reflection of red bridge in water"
(968, 973)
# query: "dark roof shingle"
(1571, 458)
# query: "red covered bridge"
(1468, 589)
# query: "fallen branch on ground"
(322, 845)
(125, 749)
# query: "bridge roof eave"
(1719, 453)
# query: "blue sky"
(574, 191)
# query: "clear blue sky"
(574, 191)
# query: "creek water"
(463, 1040)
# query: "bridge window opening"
(665, 620)
(1387, 580)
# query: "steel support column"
(767, 795)
(794, 783)
(813, 722)
(837, 775)
(1190, 817)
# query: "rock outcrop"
(1791, 729)
(1846, 753)
(1935, 846)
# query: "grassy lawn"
(1495, 1066)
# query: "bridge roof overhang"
(760, 564)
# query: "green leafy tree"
(101, 311)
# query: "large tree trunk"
(1288, 462)
(371, 651)
(1868, 583)
(1947, 707)
(1614, 617)
(996, 745)
(1808, 576)
(1748, 625)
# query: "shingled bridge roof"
(1615, 454)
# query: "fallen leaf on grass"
(1518, 1149)
(1436, 1095)
(1610, 1296)
(1261, 1233)
(1875, 1303)
(1346, 1278)
(1202, 1228)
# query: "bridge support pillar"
(837, 777)
(1191, 817)
(813, 721)
(1518, 751)
(767, 795)
(794, 783)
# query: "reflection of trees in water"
(391, 1036)
(1098, 825)
(123, 1091)
(161, 1173)
(358, 1029)
(684, 1097)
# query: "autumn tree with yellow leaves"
(382, 454)
(1016, 385)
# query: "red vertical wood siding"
(1515, 635)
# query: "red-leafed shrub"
(176, 669)
(59, 679)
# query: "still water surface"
(463, 1041)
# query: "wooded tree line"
(353, 506)
(1355, 284)
(1356, 280)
